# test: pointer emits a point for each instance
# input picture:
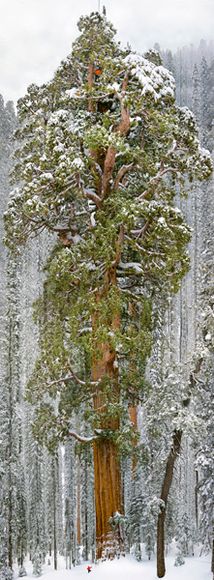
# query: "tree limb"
(140, 232)
(122, 171)
(157, 177)
(122, 129)
(71, 377)
(81, 438)
(119, 246)
(93, 196)
(108, 169)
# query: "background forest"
(47, 491)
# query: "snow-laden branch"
(81, 438)
(134, 266)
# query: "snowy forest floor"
(197, 568)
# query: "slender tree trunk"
(133, 419)
(212, 563)
(175, 450)
(90, 84)
(10, 450)
(78, 505)
(196, 499)
(55, 474)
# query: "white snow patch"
(126, 568)
(156, 80)
(72, 92)
(136, 266)
(77, 162)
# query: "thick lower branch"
(81, 438)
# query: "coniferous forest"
(107, 308)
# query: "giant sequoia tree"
(101, 151)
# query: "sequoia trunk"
(108, 499)
(108, 487)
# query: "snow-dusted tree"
(204, 448)
(102, 150)
(183, 539)
(51, 492)
(196, 94)
(70, 505)
(9, 453)
(36, 524)
(204, 100)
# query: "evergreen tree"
(196, 95)
(204, 100)
(9, 452)
(102, 150)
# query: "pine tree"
(196, 95)
(204, 100)
(204, 447)
(102, 150)
(9, 459)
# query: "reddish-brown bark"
(108, 489)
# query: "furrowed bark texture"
(108, 488)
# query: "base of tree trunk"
(108, 500)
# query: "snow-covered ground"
(128, 569)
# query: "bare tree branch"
(71, 377)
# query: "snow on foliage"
(156, 80)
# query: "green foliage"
(99, 161)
